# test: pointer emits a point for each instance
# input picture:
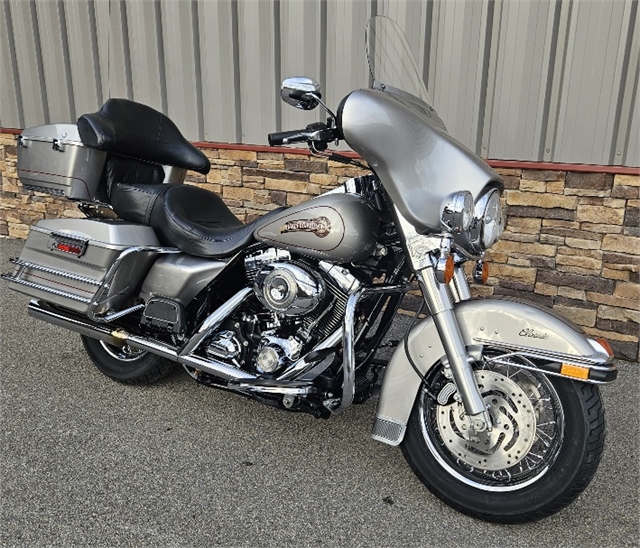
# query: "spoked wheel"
(126, 364)
(542, 452)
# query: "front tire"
(546, 443)
(125, 364)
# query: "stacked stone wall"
(572, 240)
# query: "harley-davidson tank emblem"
(320, 226)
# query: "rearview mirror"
(301, 92)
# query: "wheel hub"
(123, 353)
(513, 419)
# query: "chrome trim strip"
(61, 273)
(46, 289)
(588, 361)
(540, 370)
(275, 389)
(214, 320)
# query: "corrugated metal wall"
(537, 80)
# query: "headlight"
(456, 212)
(488, 221)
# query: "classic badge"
(320, 226)
(533, 334)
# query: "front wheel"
(544, 448)
(126, 364)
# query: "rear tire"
(553, 467)
(125, 364)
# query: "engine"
(289, 289)
(301, 303)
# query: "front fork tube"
(441, 309)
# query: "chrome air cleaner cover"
(288, 289)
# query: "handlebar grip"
(295, 136)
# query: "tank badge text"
(321, 226)
(533, 334)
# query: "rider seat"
(139, 141)
(190, 218)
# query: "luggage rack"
(102, 285)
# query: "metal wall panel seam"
(554, 22)
(157, 8)
(144, 48)
(181, 66)
(484, 81)
(37, 45)
(119, 67)
(235, 33)
(557, 84)
(26, 58)
(10, 82)
(220, 66)
(102, 9)
(301, 54)
(83, 57)
(632, 151)
(626, 90)
(93, 35)
(198, 68)
(56, 68)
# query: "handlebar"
(287, 137)
(317, 134)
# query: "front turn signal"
(607, 347)
(481, 272)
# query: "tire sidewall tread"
(568, 477)
(148, 369)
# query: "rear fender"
(509, 324)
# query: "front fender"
(511, 324)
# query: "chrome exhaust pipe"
(68, 320)
(41, 311)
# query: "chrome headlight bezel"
(488, 221)
(457, 212)
(486, 226)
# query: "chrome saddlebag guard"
(67, 261)
(514, 326)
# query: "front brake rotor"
(513, 419)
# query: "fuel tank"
(336, 227)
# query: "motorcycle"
(494, 402)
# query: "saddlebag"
(66, 262)
(52, 159)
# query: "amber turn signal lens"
(605, 344)
(481, 272)
(574, 371)
(449, 269)
(485, 273)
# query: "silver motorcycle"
(493, 401)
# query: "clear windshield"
(390, 59)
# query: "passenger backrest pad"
(138, 131)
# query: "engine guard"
(509, 324)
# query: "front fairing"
(417, 161)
